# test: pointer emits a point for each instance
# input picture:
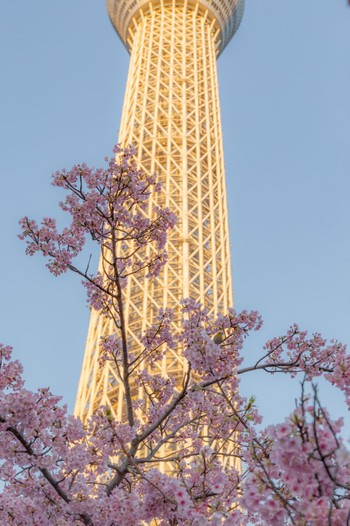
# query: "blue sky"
(284, 88)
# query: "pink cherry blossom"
(189, 451)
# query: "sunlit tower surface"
(171, 114)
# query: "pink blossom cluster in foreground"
(189, 452)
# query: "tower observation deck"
(226, 14)
(171, 114)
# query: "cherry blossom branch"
(45, 472)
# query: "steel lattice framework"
(171, 113)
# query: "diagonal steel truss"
(171, 113)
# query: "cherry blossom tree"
(189, 452)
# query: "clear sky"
(285, 98)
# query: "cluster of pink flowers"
(111, 206)
(211, 358)
(188, 452)
(300, 470)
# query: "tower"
(171, 114)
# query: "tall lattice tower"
(171, 114)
